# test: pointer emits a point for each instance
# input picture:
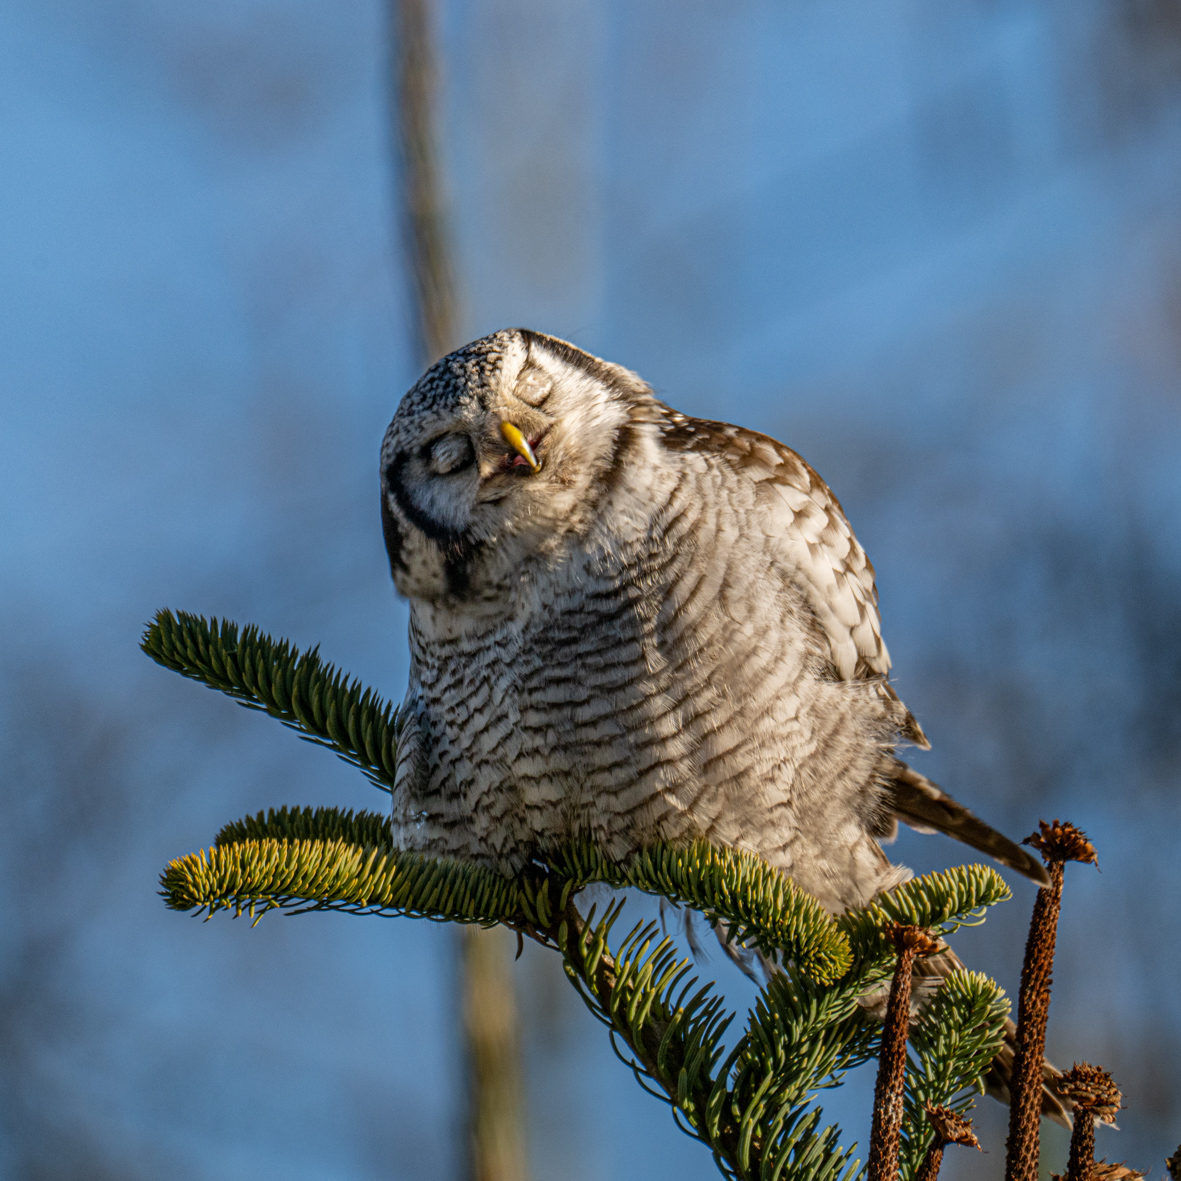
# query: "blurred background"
(935, 247)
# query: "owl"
(631, 625)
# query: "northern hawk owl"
(632, 625)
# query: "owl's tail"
(926, 807)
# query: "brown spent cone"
(917, 940)
(1116, 1171)
(1091, 1089)
(1062, 842)
(950, 1128)
(1058, 843)
(1102, 1171)
(885, 1138)
(1095, 1097)
(1173, 1164)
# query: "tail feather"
(909, 727)
(926, 807)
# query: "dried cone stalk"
(885, 1138)
(1095, 1097)
(950, 1128)
(1058, 843)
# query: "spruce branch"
(324, 704)
(761, 907)
(753, 1104)
(939, 902)
(759, 904)
(669, 1026)
(671, 1030)
(310, 824)
(725, 885)
(956, 1035)
(255, 876)
(800, 1038)
(751, 1107)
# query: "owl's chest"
(577, 647)
(637, 659)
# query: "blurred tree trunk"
(424, 233)
(496, 1141)
(495, 1128)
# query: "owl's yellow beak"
(518, 442)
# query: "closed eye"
(533, 386)
(449, 454)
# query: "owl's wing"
(809, 527)
(811, 531)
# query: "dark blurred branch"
(71, 809)
(424, 232)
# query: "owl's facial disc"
(455, 472)
(496, 457)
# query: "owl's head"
(499, 452)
